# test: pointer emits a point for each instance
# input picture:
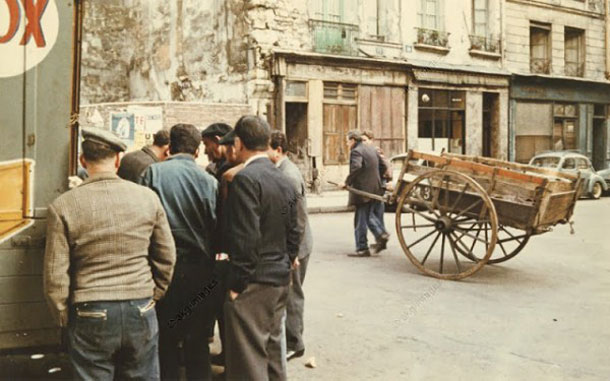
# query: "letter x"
(33, 12)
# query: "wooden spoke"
(457, 261)
(421, 239)
(442, 254)
(485, 241)
(459, 198)
(430, 248)
(417, 226)
(419, 213)
(469, 208)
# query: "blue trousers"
(114, 340)
(366, 218)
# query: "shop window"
(540, 48)
(574, 52)
(441, 120)
(565, 126)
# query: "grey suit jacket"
(296, 178)
(365, 170)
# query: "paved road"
(542, 315)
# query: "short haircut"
(184, 138)
(278, 139)
(161, 138)
(369, 134)
(95, 152)
(355, 135)
(216, 130)
(254, 132)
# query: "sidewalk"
(328, 202)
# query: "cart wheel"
(510, 241)
(441, 212)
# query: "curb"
(329, 209)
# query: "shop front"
(552, 114)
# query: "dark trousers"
(114, 340)
(253, 334)
(364, 219)
(295, 307)
(221, 272)
(184, 315)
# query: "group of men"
(140, 270)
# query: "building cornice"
(576, 11)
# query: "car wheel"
(597, 190)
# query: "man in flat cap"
(365, 170)
(188, 194)
(216, 152)
(135, 163)
(109, 257)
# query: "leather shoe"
(294, 354)
(382, 243)
(360, 253)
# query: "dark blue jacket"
(188, 195)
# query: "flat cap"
(104, 137)
(216, 129)
(228, 139)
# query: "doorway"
(491, 121)
(296, 129)
(600, 137)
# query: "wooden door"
(382, 110)
(338, 120)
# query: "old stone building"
(560, 89)
(425, 74)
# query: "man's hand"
(233, 295)
(296, 263)
(343, 186)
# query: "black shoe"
(218, 359)
(360, 253)
(382, 243)
(294, 354)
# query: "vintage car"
(605, 174)
(593, 185)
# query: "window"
(441, 120)
(540, 48)
(480, 14)
(345, 92)
(569, 163)
(582, 164)
(371, 15)
(430, 14)
(333, 26)
(565, 127)
(574, 52)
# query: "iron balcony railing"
(432, 37)
(575, 69)
(485, 44)
(540, 65)
(334, 37)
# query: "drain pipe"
(607, 39)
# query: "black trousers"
(253, 333)
(183, 315)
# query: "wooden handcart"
(456, 213)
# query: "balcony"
(540, 65)
(485, 44)
(334, 37)
(432, 38)
(575, 69)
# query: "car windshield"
(547, 161)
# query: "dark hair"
(278, 139)
(184, 138)
(161, 138)
(369, 134)
(355, 135)
(254, 132)
(216, 130)
(95, 152)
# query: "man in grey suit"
(109, 257)
(296, 298)
(365, 169)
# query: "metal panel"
(36, 97)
